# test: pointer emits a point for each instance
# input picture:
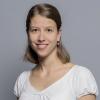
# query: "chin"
(42, 55)
(45, 53)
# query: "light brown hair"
(51, 12)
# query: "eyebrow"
(34, 27)
(38, 27)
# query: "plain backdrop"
(80, 35)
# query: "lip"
(41, 46)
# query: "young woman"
(54, 77)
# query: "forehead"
(39, 20)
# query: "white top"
(77, 82)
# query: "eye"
(49, 30)
(34, 30)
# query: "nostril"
(41, 40)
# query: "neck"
(50, 62)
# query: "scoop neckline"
(53, 84)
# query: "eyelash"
(49, 30)
(36, 30)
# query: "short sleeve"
(19, 84)
(86, 83)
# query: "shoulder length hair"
(51, 12)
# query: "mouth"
(42, 46)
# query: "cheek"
(53, 42)
(32, 37)
(53, 37)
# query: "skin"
(44, 31)
(88, 97)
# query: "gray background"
(81, 36)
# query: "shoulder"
(21, 79)
(82, 73)
(85, 75)
(23, 74)
(82, 70)
(78, 68)
(85, 82)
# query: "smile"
(42, 46)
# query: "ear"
(59, 36)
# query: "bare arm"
(88, 97)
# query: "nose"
(41, 37)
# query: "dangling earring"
(58, 43)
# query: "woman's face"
(43, 35)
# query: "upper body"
(54, 77)
(78, 82)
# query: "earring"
(58, 42)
